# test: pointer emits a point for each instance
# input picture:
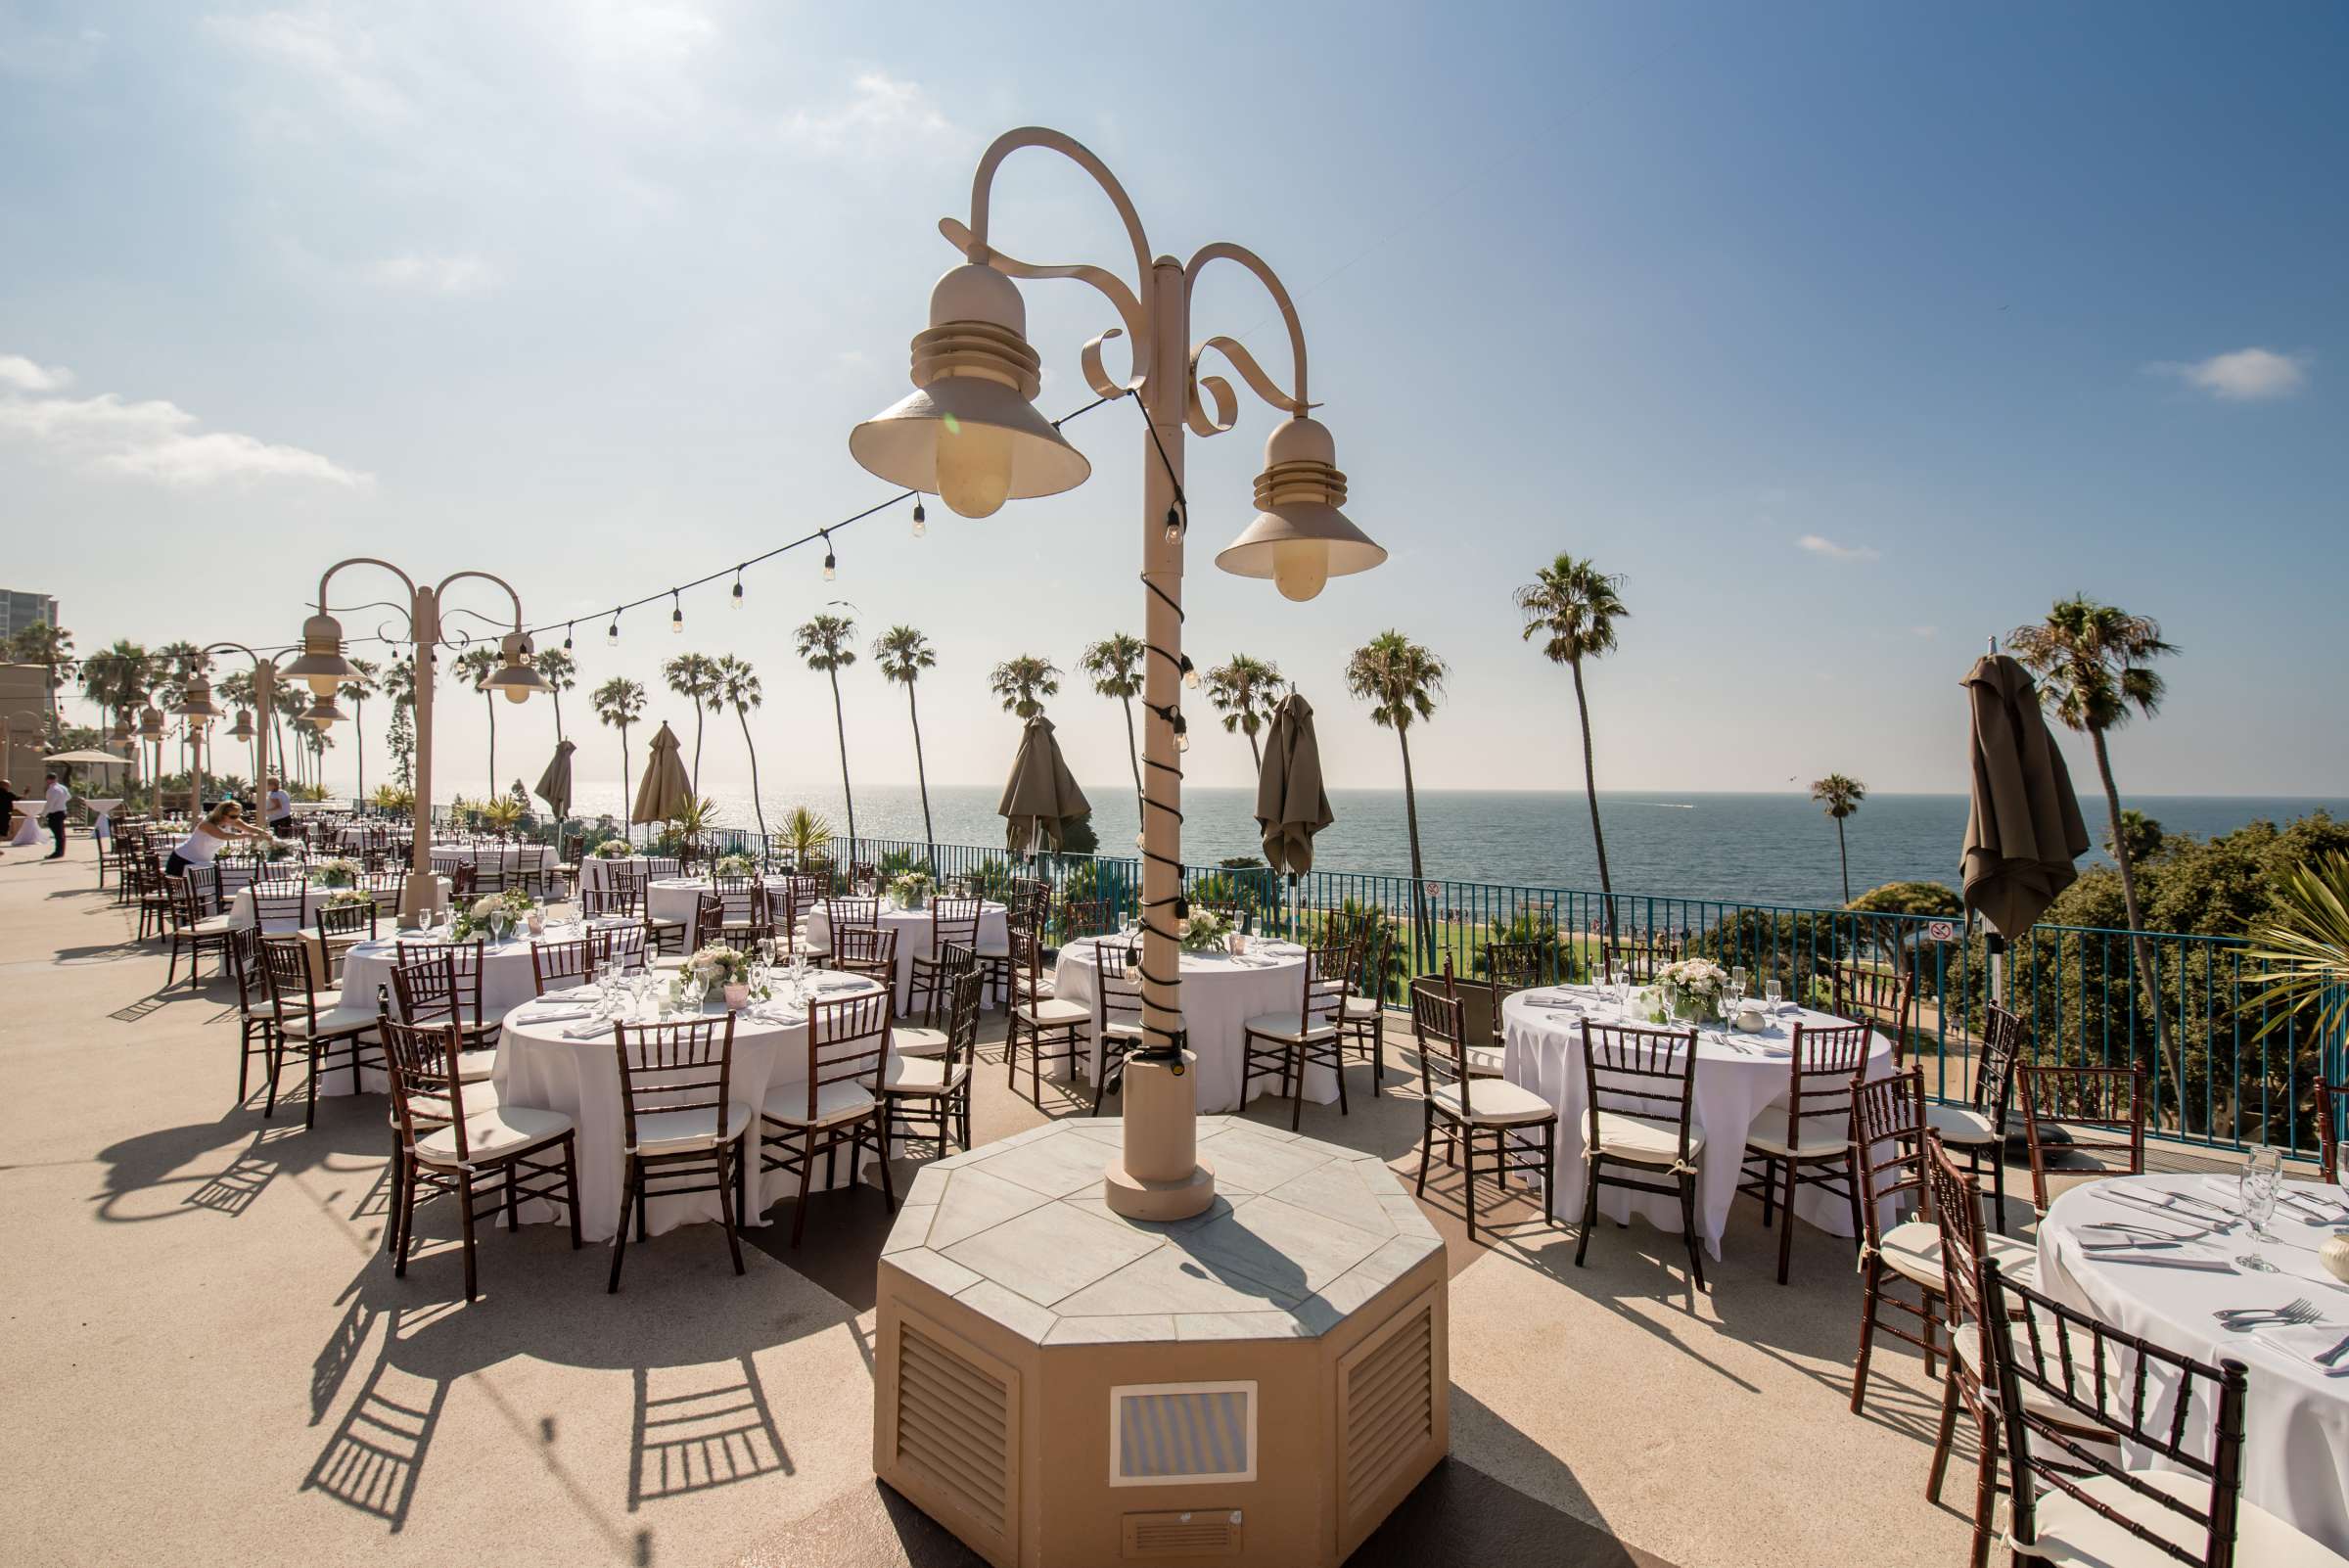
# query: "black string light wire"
(1165, 916)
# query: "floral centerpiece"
(1690, 989)
(497, 915)
(347, 897)
(1207, 932)
(735, 865)
(274, 849)
(615, 849)
(338, 872)
(911, 889)
(723, 967)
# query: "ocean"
(1767, 848)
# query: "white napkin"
(558, 1015)
(587, 1031)
(2305, 1341)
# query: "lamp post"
(971, 434)
(151, 732)
(198, 708)
(323, 666)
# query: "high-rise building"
(20, 609)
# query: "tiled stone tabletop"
(1299, 1235)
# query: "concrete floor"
(208, 1360)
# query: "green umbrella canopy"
(665, 789)
(1291, 805)
(2024, 829)
(1042, 797)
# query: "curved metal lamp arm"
(1206, 422)
(360, 560)
(1129, 304)
(487, 577)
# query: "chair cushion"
(1631, 1138)
(1769, 1135)
(1364, 1007)
(910, 1040)
(475, 1067)
(841, 1100)
(1290, 1026)
(1485, 1061)
(1960, 1125)
(1965, 1341)
(330, 1025)
(479, 1097)
(1492, 1102)
(492, 1133)
(682, 1132)
(2072, 1534)
(923, 1075)
(1912, 1248)
(1050, 1012)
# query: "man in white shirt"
(277, 808)
(57, 800)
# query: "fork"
(2242, 1319)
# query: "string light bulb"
(921, 522)
(676, 613)
(831, 564)
(567, 626)
(738, 587)
(1190, 674)
(1174, 525)
(611, 634)
(1182, 734)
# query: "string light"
(612, 638)
(1174, 525)
(1190, 674)
(1182, 734)
(676, 614)
(567, 626)
(921, 522)
(738, 587)
(831, 566)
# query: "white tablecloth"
(541, 1067)
(1219, 995)
(101, 812)
(524, 855)
(29, 823)
(595, 870)
(2296, 1418)
(240, 906)
(508, 976)
(914, 929)
(1734, 1087)
(678, 899)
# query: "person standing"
(59, 799)
(277, 808)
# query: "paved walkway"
(208, 1360)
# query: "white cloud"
(152, 439)
(881, 116)
(2245, 376)
(341, 59)
(434, 274)
(25, 376)
(1820, 545)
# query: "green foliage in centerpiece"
(735, 865)
(1207, 932)
(720, 965)
(337, 873)
(911, 889)
(1691, 990)
(476, 919)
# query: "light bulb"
(567, 636)
(1300, 567)
(677, 616)
(612, 638)
(831, 567)
(321, 685)
(1190, 672)
(1183, 742)
(974, 468)
(921, 521)
(516, 694)
(1174, 526)
(738, 591)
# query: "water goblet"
(1725, 1003)
(2262, 1186)
(1738, 979)
(1773, 992)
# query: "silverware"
(2242, 1319)
(2335, 1354)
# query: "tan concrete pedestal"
(1261, 1382)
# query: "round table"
(595, 870)
(678, 899)
(1219, 995)
(554, 1055)
(240, 906)
(915, 930)
(29, 823)
(444, 855)
(2296, 1417)
(102, 812)
(508, 976)
(1734, 1085)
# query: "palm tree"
(1246, 692)
(289, 700)
(116, 679)
(361, 683)
(2093, 664)
(738, 687)
(476, 664)
(557, 669)
(620, 703)
(399, 684)
(825, 643)
(1115, 664)
(1841, 796)
(50, 646)
(1400, 681)
(1022, 681)
(1573, 605)
(902, 654)
(694, 678)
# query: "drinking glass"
(2262, 1186)
(1773, 992)
(2340, 1168)
(1725, 1004)
(1737, 980)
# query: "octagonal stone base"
(1259, 1383)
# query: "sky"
(1848, 335)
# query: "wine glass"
(2261, 1184)
(1737, 980)
(1725, 1002)
(1773, 990)
(2340, 1168)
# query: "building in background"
(20, 609)
(24, 737)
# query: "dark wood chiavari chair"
(927, 1038)
(1117, 1020)
(930, 1097)
(954, 924)
(681, 1127)
(318, 1026)
(1638, 959)
(561, 964)
(1053, 1029)
(1807, 1144)
(153, 892)
(256, 1017)
(1888, 1136)
(1639, 1093)
(2078, 1111)
(1977, 1128)
(1515, 966)
(628, 946)
(839, 1103)
(867, 950)
(192, 926)
(1489, 1125)
(1088, 917)
(2332, 1102)
(1883, 999)
(481, 1153)
(442, 983)
(742, 903)
(1283, 1045)
(1363, 1020)
(278, 905)
(341, 928)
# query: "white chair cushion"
(682, 1132)
(1966, 1342)
(1291, 1027)
(842, 1100)
(492, 1131)
(1912, 1248)
(1485, 1061)
(923, 1075)
(2071, 1534)
(911, 1040)
(1823, 1134)
(475, 1067)
(212, 926)
(1050, 1012)
(1960, 1125)
(1364, 1007)
(479, 1097)
(1629, 1137)
(330, 1024)
(1492, 1102)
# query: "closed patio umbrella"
(89, 759)
(1291, 805)
(665, 789)
(554, 785)
(2024, 829)
(1043, 796)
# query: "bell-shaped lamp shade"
(198, 703)
(151, 724)
(1300, 539)
(516, 680)
(970, 434)
(243, 729)
(321, 664)
(322, 715)
(121, 731)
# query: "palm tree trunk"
(757, 806)
(489, 701)
(1133, 754)
(1843, 858)
(1598, 837)
(841, 726)
(2140, 951)
(627, 793)
(697, 747)
(920, 774)
(1411, 814)
(358, 742)
(558, 699)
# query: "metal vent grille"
(1389, 1403)
(1192, 1533)
(1169, 1434)
(953, 1425)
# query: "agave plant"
(804, 833)
(2305, 950)
(502, 812)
